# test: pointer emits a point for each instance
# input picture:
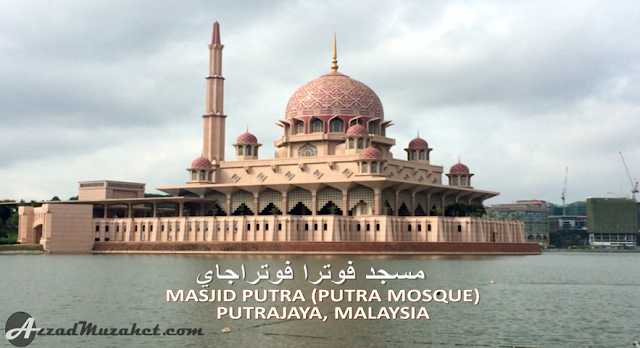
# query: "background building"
(534, 214)
(612, 221)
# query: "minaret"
(214, 118)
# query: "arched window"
(455, 180)
(317, 126)
(299, 127)
(351, 143)
(414, 155)
(360, 143)
(240, 150)
(365, 167)
(463, 180)
(355, 121)
(421, 154)
(409, 228)
(429, 227)
(336, 125)
(194, 175)
(248, 152)
(210, 176)
(374, 167)
(202, 175)
(255, 151)
(366, 143)
(373, 128)
(459, 228)
(308, 151)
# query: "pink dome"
(247, 138)
(459, 168)
(334, 94)
(418, 143)
(357, 130)
(370, 152)
(201, 162)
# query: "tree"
(74, 198)
(13, 220)
(55, 198)
(274, 210)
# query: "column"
(256, 206)
(345, 203)
(284, 203)
(413, 204)
(314, 203)
(105, 211)
(376, 200)
(154, 208)
(181, 208)
(395, 209)
(229, 205)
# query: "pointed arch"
(241, 203)
(267, 198)
(336, 125)
(299, 201)
(360, 194)
(388, 201)
(326, 197)
(316, 125)
(299, 127)
(308, 150)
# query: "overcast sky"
(520, 90)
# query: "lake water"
(551, 300)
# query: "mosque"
(333, 179)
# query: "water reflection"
(552, 300)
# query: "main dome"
(334, 94)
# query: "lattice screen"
(449, 200)
(421, 199)
(240, 197)
(404, 197)
(329, 194)
(270, 196)
(388, 196)
(298, 195)
(360, 193)
(220, 198)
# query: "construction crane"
(634, 188)
(564, 191)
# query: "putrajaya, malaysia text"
(413, 296)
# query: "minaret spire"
(214, 117)
(334, 62)
(215, 38)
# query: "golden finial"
(247, 128)
(458, 158)
(334, 62)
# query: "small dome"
(357, 130)
(418, 143)
(201, 162)
(370, 152)
(247, 138)
(459, 168)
